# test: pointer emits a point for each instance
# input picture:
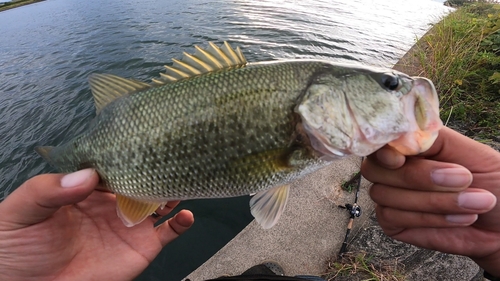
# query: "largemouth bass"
(216, 126)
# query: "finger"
(394, 221)
(466, 240)
(388, 157)
(167, 208)
(451, 146)
(41, 196)
(419, 174)
(174, 227)
(444, 149)
(470, 201)
(163, 211)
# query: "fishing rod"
(353, 209)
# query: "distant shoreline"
(18, 3)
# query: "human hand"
(444, 199)
(57, 227)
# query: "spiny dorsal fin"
(202, 61)
(106, 88)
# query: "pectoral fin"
(268, 205)
(133, 212)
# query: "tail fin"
(44, 151)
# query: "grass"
(18, 3)
(352, 184)
(460, 55)
(360, 266)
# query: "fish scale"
(202, 135)
(227, 131)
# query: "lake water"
(48, 49)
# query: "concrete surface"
(308, 234)
(311, 231)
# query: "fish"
(215, 126)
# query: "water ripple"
(47, 53)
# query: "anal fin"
(132, 211)
(268, 205)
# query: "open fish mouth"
(406, 117)
(422, 102)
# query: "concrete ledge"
(309, 233)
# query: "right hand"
(444, 199)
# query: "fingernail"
(76, 178)
(452, 177)
(462, 219)
(476, 200)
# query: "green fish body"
(215, 126)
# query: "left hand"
(57, 227)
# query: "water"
(48, 49)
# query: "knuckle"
(389, 226)
(382, 214)
(415, 177)
(375, 191)
(366, 170)
(409, 174)
(443, 203)
(435, 202)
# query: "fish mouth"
(426, 104)
(422, 103)
(413, 130)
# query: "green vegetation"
(360, 266)
(15, 4)
(352, 184)
(459, 3)
(460, 55)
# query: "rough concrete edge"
(308, 235)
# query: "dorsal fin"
(202, 61)
(106, 88)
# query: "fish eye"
(390, 81)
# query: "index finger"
(419, 174)
(450, 146)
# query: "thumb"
(41, 196)
(388, 158)
(453, 147)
